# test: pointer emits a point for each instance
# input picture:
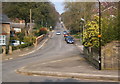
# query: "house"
(17, 27)
(109, 8)
(5, 32)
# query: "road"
(55, 48)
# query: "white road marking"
(58, 60)
(53, 35)
(10, 58)
(52, 61)
(36, 49)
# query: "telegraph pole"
(30, 21)
(99, 36)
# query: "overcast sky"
(59, 5)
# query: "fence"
(92, 55)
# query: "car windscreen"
(58, 32)
(13, 41)
(69, 37)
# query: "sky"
(58, 5)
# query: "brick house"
(5, 32)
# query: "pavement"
(71, 67)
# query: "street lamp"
(50, 28)
(82, 20)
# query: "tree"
(110, 24)
(74, 11)
(43, 13)
(91, 33)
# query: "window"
(2, 40)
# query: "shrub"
(91, 32)
(20, 35)
(26, 45)
(28, 39)
(109, 31)
(42, 31)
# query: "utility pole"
(99, 36)
(30, 22)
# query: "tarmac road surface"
(55, 48)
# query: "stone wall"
(110, 55)
(110, 58)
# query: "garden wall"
(110, 58)
(110, 55)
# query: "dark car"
(69, 39)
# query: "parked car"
(58, 33)
(69, 39)
(65, 35)
(16, 42)
(64, 32)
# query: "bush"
(26, 45)
(30, 39)
(42, 31)
(20, 35)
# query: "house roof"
(17, 25)
(4, 19)
(21, 25)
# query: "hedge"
(22, 46)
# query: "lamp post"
(99, 36)
(50, 28)
(82, 20)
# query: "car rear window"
(70, 37)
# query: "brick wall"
(6, 31)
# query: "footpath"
(73, 67)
